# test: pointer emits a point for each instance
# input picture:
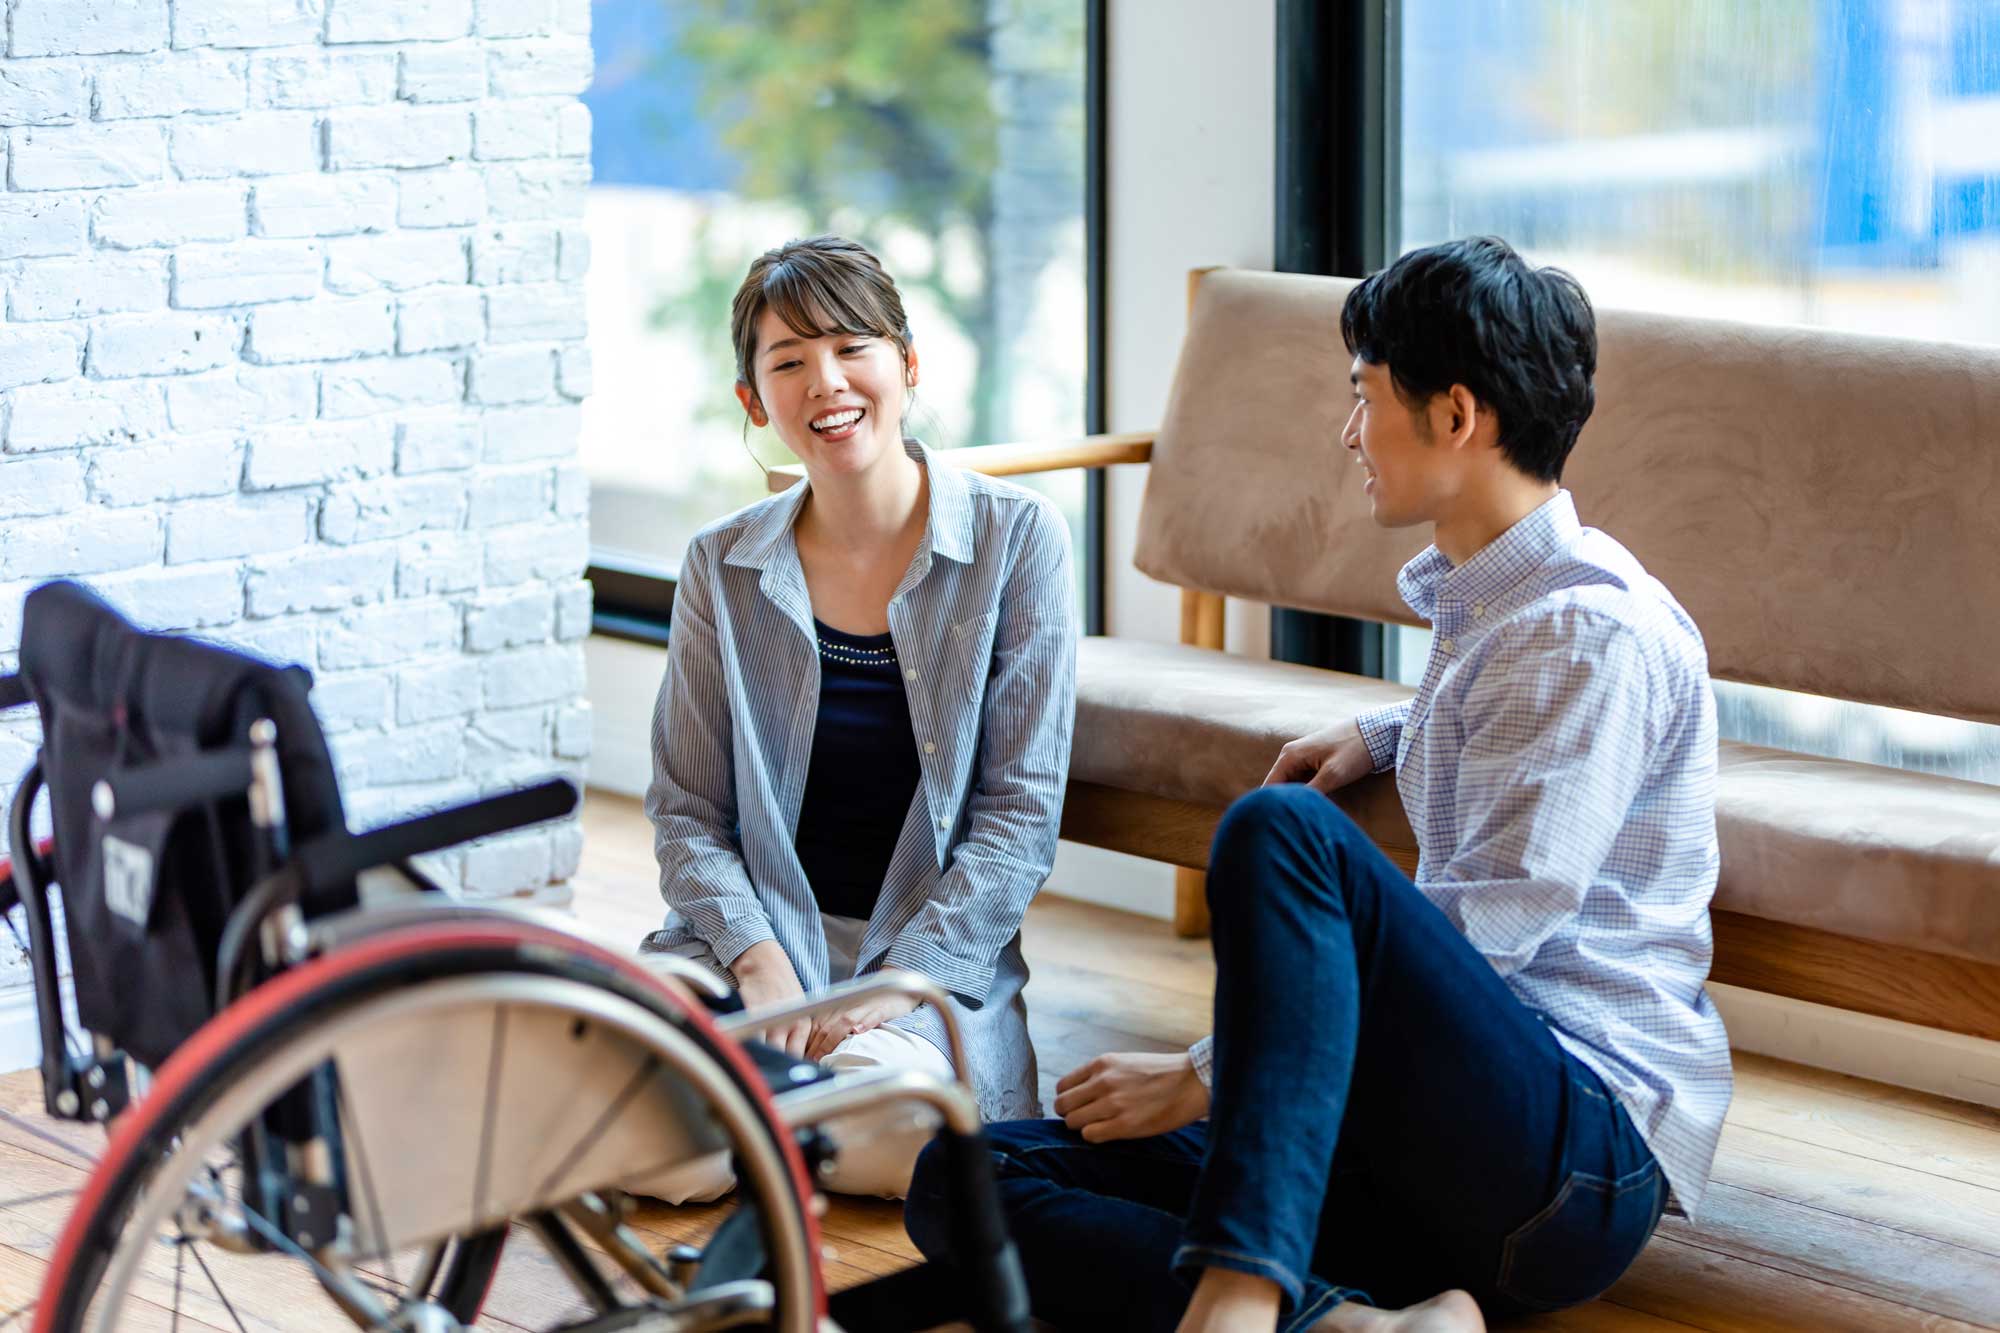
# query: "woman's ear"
(910, 366)
(751, 407)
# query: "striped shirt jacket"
(1558, 767)
(984, 627)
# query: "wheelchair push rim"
(238, 1064)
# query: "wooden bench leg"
(1190, 903)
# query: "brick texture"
(291, 343)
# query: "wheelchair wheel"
(480, 1080)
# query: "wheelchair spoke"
(187, 1241)
(180, 1264)
(575, 1262)
(633, 1086)
(428, 1267)
(491, 1112)
(351, 1134)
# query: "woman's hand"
(764, 976)
(1327, 760)
(829, 1030)
(1131, 1095)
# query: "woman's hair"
(819, 285)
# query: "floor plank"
(1838, 1250)
(1599, 1317)
(1915, 1202)
(1827, 1081)
(20, 1280)
(1725, 1294)
(1881, 1131)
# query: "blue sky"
(645, 128)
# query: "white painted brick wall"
(447, 198)
(255, 271)
(168, 215)
(291, 321)
(323, 205)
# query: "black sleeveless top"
(863, 775)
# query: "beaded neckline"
(854, 649)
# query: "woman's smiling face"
(835, 399)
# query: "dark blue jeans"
(1387, 1120)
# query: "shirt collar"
(1433, 586)
(947, 529)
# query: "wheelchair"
(334, 1095)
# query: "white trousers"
(877, 1148)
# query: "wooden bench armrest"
(1010, 460)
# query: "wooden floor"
(1837, 1205)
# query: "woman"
(861, 743)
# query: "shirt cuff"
(968, 982)
(1381, 731)
(739, 938)
(1202, 1053)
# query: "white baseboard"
(1113, 879)
(1881, 1049)
(20, 1037)
(624, 681)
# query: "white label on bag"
(128, 880)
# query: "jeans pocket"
(1574, 1249)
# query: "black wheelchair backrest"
(147, 892)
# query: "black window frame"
(1335, 156)
(634, 600)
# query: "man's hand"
(829, 1030)
(1131, 1095)
(1326, 760)
(765, 976)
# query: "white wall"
(290, 358)
(1191, 98)
(624, 682)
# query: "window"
(948, 135)
(1827, 162)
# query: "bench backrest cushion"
(1826, 506)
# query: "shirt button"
(930, 747)
(944, 823)
(1444, 645)
(910, 673)
(1478, 610)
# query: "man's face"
(1395, 446)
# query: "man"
(1476, 1091)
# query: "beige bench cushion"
(1860, 850)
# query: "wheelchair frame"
(298, 1195)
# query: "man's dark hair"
(1473, 312)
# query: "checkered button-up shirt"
(1558, 768)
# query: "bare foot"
(1226, 1301)
(1446, 1312)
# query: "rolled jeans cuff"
(1190, 1259)
(1304, 1303)
(1319, 1300)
